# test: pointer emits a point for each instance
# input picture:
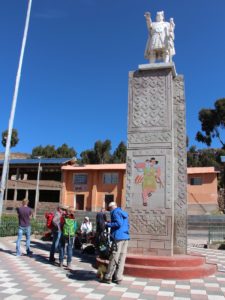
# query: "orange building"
(91, 187)
(202, 190)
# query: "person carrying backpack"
(56, 227)
(119, 226)
(67, 238)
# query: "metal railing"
(209, 228)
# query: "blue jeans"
(68, 243)
(55, 244)
(21, 231)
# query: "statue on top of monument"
(160, 44)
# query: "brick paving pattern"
(34, 278)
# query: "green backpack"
(69, 227)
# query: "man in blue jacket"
(119, 226)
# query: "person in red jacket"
(57, 230)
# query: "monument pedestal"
(156, 161)
(157, 176)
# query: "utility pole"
(37, 187)
(13, 108)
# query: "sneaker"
(29, 253)
(118, 282)
(61, 264)
(105, 280)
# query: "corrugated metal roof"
(34, 161)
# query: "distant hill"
(15, 155)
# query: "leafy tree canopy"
(100, 154)
(50, 151)
(14, 138)
(120, 153)
(212, 121)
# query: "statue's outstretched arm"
(148, 20)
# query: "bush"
(9, 226)
(221, 246)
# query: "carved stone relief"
(148, 223)
(149, 105)
(180, 205)
(149, 137)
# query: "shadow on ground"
(82, 275)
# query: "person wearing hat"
(119, 227)
(57, 230)
(69, 228)
(86, 229)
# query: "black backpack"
(107, 245)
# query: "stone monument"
(156, 150)
(156, 165)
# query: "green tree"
(87, 157)
(102, 151)
(99, 155)
(120, 153)
(65, 151)
(50, 151)
(14, 138)
(212, 121)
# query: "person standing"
(101, 220)
(57, 223)
(24, 214)
(119, 226)
(67, 238)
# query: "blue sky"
(74, 84)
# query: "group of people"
(64, 230)
(64, 227)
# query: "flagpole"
(13, 108)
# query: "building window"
(110, 178)
(196, 181)
(80, 179)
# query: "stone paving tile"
(34, 278)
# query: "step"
(177, 273)
(166, 267)
(166, 261)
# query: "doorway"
(79, 202)
(108, 199)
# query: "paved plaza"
(34, 278)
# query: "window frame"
(80, 182)
(198, 182)
(114, 178)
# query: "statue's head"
(160, 16)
